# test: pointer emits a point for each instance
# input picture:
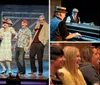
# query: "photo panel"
(72, 63)
(74, 31)
(23, 24)
(74, 21)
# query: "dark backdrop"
(26, 2)
(88, 9)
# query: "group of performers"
(24, 42)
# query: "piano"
(88, 32)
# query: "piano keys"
(88, 32)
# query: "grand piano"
(88, 32)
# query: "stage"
(27, 79)
(24, 80)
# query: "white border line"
(49, 42)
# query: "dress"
(5, 46)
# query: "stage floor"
(28, 79)
(25, 79)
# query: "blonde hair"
(70, 54)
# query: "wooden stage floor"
(27, 79)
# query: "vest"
(75, 21)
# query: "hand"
(78, 34)
(96, 84)
(26, 49)
(60, 75)
(15, 37)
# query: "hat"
(75, 10)
(60, 9)
(55, 52)
(25, 21)
(8, 21)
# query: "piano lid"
(84, 26)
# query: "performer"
(58, 28)
(5, 46)
(74, 18)
(23, 45)
(40, 39)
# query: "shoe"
(40, 74)
(31, 73)
(3, 72)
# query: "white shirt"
(68, 20)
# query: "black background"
(25, 2)
(88, 9)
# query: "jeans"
(19, 57)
